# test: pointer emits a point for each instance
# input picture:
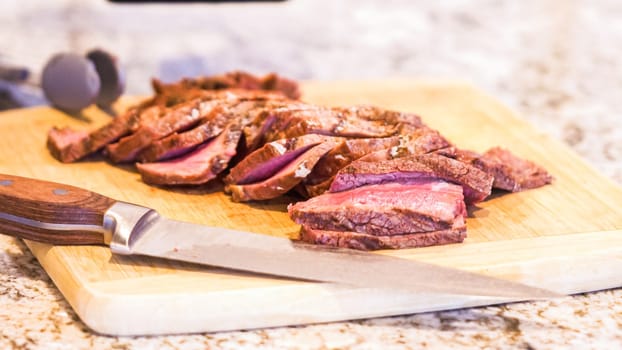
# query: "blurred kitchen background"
(557, 62)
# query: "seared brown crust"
(362, 241)
(423, 140)
(373, 221)
(510, 172)
(385, 209)
(211, 126)
(345, 153)
(317, 189)
(69, 146)
(270, 158)
(65, 144)
(179, 118)
(197, 167)
(476, 183)
(180, 143)
(284, 180)
(142, 115)
(236, 79)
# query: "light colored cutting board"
(566, 237)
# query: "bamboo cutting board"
(566, 237)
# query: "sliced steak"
(69, 146)
(178, 118)
(406, 123)
(269, 159)
(345, 153)
(363, 241)
(476, 183)
(510, 172)
(463, 155)
(147, 115)
(283, 180)
(330, 122)
(264, 118)
(420, 141)
(421, 205)
(169, 95)
(275, 82)
(64, 143)
(197, 167)
(309, 191)
(424, 140)
(327, 167)
(212, 125)
(236, 79)
(180, 143)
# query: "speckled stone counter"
(556, 62)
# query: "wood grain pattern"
(566, 237)
(32, 203)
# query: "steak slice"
(213, 124)
(180, 143)
(476, 183)
(283, 180)
(510, 172)
(328, 121)
(263, 120)
(309, 191)
(235, 79)
(424, 140)
(197, 167)
(65, 144)
(463, 155)
(405, 123)
(169, 95)
(286, 86)
(69, 146)
(270, 158)
(146, 115)
(420, 141)
(176, 119)
(179, 118)
(363, 241)
(345, 153)
(177, 144)
(327, 167)
(421, 205)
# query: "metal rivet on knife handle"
(60, 191)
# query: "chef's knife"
(61, 214)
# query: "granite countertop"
(552, 61)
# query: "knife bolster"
(124, 223)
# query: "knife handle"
(51, 212)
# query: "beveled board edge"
(585, 262)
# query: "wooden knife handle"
(51, 212)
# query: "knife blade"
(61, 214)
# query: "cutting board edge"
(124, 314)
(127, 316)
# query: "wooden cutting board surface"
(566, 237)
